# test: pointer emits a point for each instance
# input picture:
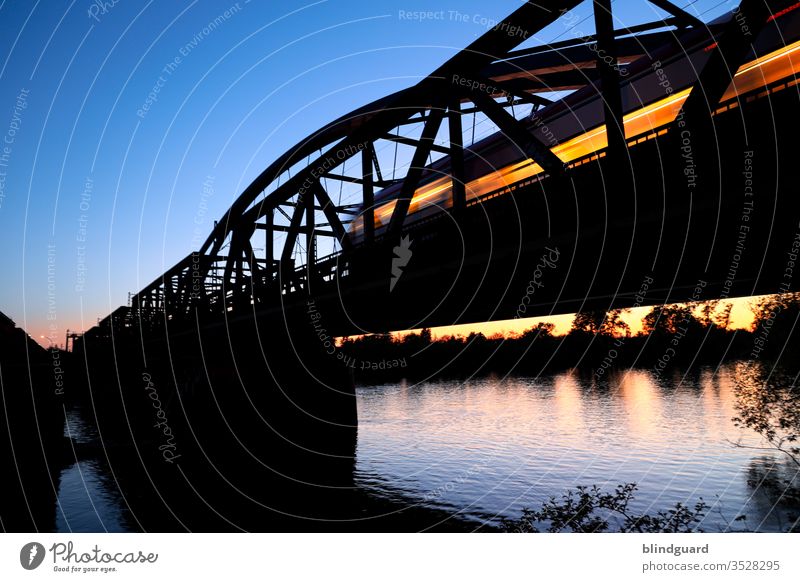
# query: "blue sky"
(107, 188)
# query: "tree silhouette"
(769, 407)
(670, 319)
(715, 313)
(588, 322)
(775, 321)
(614, 325)
(589, 510)
(541, 330)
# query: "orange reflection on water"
(642, 402)
(568, 404)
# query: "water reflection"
(488, 448)
(776, 486)
(642, 403)
(88, 499)
(485, 449)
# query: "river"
(486, 448)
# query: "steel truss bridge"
(668, 173)
(454, 234)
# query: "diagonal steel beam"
(683, 17)
(516, 90)
(732, 47)
(329, 209)
(415, 170)
(516, 131)
(519, 26)
(377, 165)
(250, 254)
(294, 229)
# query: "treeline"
(673, 337)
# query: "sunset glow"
(741, 318)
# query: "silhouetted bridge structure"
(671, 159)
(665, 197)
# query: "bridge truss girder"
(226, 270)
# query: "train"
(653, 90)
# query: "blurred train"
(652, 96)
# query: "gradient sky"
(74, 78)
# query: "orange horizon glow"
(742, 317)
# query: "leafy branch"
(589, 510)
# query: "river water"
(88, 500)
(486, 448)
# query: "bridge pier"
(225, 424)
